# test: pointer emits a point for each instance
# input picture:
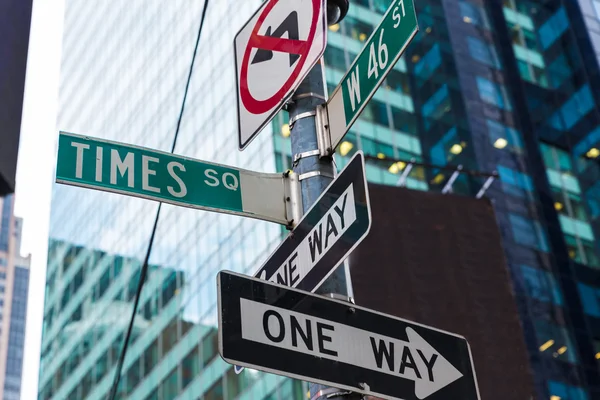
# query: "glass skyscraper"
(14, 285)
(509, 86)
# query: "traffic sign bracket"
(293, 199)
(323, 134)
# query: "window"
(209, 347)
(169, 385)
(541, 285)
(438, 104)
(483, 52)
(502, 136)
(215, 392)
(235, 384)
(590, 297)
(473, 14)
(169, 336)
(425, 68)
(528, 233)
(441, 153)
(553, 28)
(493, 93)
(133, 376)
(356, 29)
(573, 110)
(150, 357)
(515, 183)
(596, 4)
(555, 342)
(190, 366)
(335, 58)
(565, 392)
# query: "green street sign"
(155, 175)
(381, 52)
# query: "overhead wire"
(144, 269)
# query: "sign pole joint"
(323, 133)
(292, 198)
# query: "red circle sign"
(300, 47)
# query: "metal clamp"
(309, 94)
(331, 392)
(323, 135)
(342, 297)
(293, 199)
(299, 156)
(300, 116)
(312, 174)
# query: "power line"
(144, 270)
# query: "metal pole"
(315, 174)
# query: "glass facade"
(510, 86)
(14, 285)
(16, 334)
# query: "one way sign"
(304, 336)
(338, 221)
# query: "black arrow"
(289, 25)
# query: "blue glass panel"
(493, 93)
(496, 130)
(5, 222)
(435, 101)
(515, 178)
(541, 285)
(590, 297)
(439, 151)
(429, 63)
(474, 14)
(483, 52)
(574, 109)
(564, 391)
(586, 143)
(553, 28)
(528, 233)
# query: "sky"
(35, 168)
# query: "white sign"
(415, 359)
(274, 52)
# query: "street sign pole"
(314, 173)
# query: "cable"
(144, 270)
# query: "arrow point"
(444, 373)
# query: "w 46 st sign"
(381, 52)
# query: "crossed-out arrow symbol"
(270, 42)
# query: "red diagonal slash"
(278, 44)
